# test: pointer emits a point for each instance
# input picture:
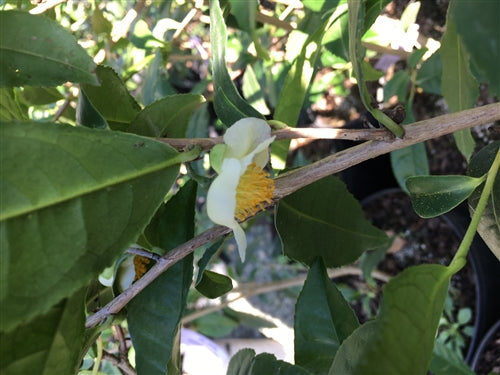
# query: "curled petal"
(244, 136)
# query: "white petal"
(241, 240)
(221, 197)
(245, 135)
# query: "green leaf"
(9, 106)
(430, 73)
(435, 195)
(294, 90)
(87, 115)
(323, 319)
(401, 338)
(72, 199)
(459, 87)
(40, 95)
(356, 53)
(154, 314)
(245, 13)
(229, 105)
(489, 225)
(241, 362)
(447, 362)
(398, 85)
(370, 260)
(205, 259)
(253, 92)
(213, 284)
(112, 99)
(215, 324)
(416, 56)
(323, 219)
(49, 344)
(482, 44)
(246, 363)
(409, 161)
(99, 23)
(37, 51)
(248, 319)
(167, 117)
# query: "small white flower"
(242, 187)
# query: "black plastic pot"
(487, 278)
(486, 343)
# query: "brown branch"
(124, 367)
(164, 263)
(417, 132)
(291, 133)
(289, 182)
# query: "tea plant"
(106, 185)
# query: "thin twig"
(124, 367)
(289, 182)
(291, 133)
(122, 343)
(164, 263)
(143, 253)
(253, 289)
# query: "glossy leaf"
(401, 338)
(37, 51)
(49, 344)
(167, 117)
(323, 319)
(324, 220)
(459, 87)
(356, 53)
(489, 225)
(153, 316)
(112, 99)
(72, 200)
(435, 195)
(482, 44)
(213, 284)
(229, 105)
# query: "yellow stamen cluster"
(140, 266)
(254, 189)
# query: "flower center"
(140, 266)
(254, 189)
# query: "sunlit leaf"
(37, 51)
(229, 105)
(401, 338)
(72, 199)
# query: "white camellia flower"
(242, 187)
